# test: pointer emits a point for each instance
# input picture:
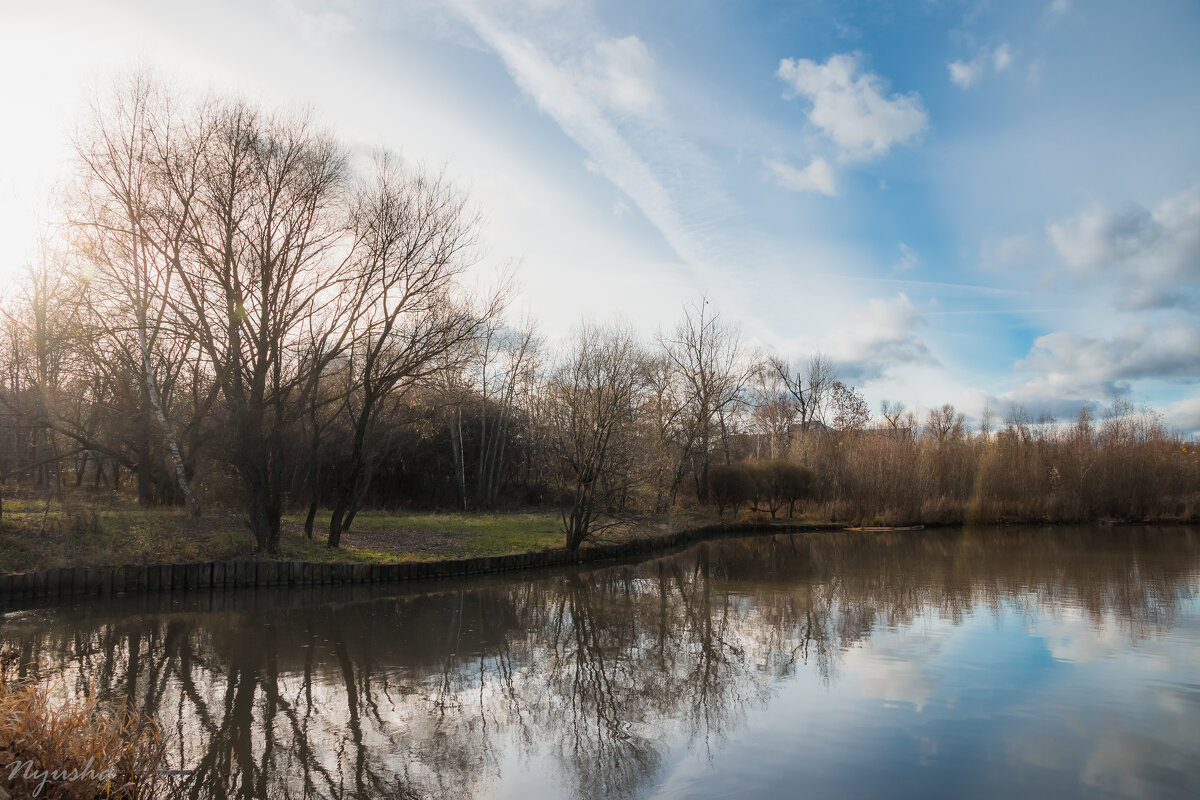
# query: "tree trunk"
(335, 521)
(165, 426)
(311, 518)
(460, 467)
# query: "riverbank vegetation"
(73, 748)
(240, 325)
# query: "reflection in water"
(707, 673)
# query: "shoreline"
(72, 582)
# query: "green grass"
(406, 536)
(109, 530)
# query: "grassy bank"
(105, 530)
(41, 533)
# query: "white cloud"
(964, 74)
(1002, 57)
(1184, 415)
(1005, 252)
(852, 107)
(818, 176)
(579, 97)
(884, 334)
(1156, 252)
(317, 25)
(618, 74)
(908, 259)
(1169, 351)
(1058, 7)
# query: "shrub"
(731, 485)
(770, 485)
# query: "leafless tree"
(257, 204)
(121, 190)
(666, 433)
(849, 407)
(503, 364)
(413, 237)
(709, 356)
(946, 424)
(774, 410)
(593, 402)
(896, 420)
(809, 386)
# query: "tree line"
(239, 311)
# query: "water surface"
(986, 663)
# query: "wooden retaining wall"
(78, 581)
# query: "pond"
(1059, 662)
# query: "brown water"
(1011, 663)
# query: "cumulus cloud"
(852, 107)
(965, 74)
(818, 176)
(884, 334)
(1184, 415)
(1169, 351)
(1159, 244)
(1067, 369)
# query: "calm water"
(1014, 663)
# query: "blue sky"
(968, 202)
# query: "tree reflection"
(350, 693)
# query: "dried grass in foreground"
(78, 749)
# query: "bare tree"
(709, 356)
(413, 238)
(809, 386)
(898, 426)
(666, 435)
(121, 184)
(44, 335)
(774, 410)
(593, 402)
(946, 424)
(504, 361)
(849, 407)
(257, 203)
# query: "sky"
(981, 203)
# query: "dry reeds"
(1127, 467)
(77, 749)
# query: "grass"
(111, 530)
(457, 535)
(73, 749)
